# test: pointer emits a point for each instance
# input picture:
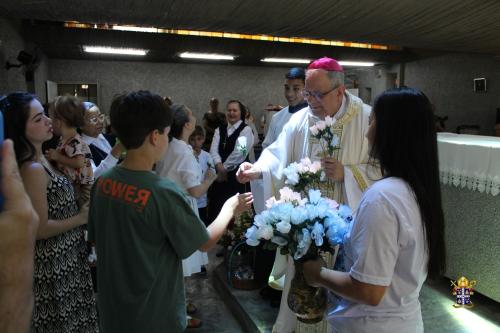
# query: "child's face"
(56, 123)
(197, 141)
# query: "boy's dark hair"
(405, 144)
(296, 73)
(180, 118)
(198, 131)
(69, 109)
(136, 114)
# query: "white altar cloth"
(470, 161)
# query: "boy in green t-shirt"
(143, 225)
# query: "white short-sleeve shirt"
(179, 164)
(386, 247)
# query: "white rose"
(266, 232)
(315, 167)
(321, 125)
(314, 130)
(270, 202)
(330, 121)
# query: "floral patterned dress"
(64, 299)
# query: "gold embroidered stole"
(331, 189)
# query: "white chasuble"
(294, 143)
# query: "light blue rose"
(312, 212)
(252, 236)
(282, 212)
(317, 233)
(345, 212)
(283, 227)
(314, 196)
(252, 242)
(304, 242)
(322, 209)
(336, 232)
(251, 232)
(332, 218)
(266, 217)
(299, 215)
(259, 220)
(291, 174)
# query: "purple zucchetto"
(327, 64)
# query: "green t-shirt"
(143, 227)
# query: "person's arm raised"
(233, 206)
(247, 172)
(200, 190)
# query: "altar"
(469, 168)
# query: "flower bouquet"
(303, 175)
(301, 226)
(323, 130)
(329, 141)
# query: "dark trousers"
(203, 212)
(219, 192)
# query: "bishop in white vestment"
(326, 95)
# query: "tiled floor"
(437, 309)
(214, 314)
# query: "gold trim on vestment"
(359, 177)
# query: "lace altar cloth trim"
(470, 161)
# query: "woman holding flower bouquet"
(397, 238)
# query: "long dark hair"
(16, 111)
(405, 144)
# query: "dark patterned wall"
(11, 43)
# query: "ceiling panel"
(445, 25)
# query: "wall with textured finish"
(11, 43)
(190, 84)
(372, 81)
(41, 76)
(448, 82)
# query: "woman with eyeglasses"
(105, 150)
(64, 299)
